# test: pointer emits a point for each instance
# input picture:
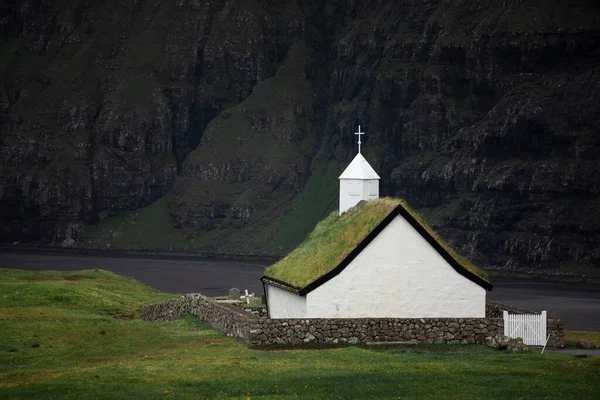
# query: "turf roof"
(336, 238)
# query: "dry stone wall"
(380, 330)
(495, 310)
(260, 331)
(555, 326)
(555, 330)
(231, 320)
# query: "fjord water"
(577, 303)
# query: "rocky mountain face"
(482, 114)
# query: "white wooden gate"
(529, 327)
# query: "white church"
(399, 269)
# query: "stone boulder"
(585, 344)
(498, 341)
(516, 345)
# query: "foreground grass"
(78, 335)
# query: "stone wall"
(379, 330)
(230, 319)
(555, 329)
(495, 310)
(256, 330)
(259, 311)
(555, 325)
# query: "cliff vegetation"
(222, 126)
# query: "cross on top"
(359, 133)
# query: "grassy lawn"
(78, 335)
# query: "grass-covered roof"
(334, 239)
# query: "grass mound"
(89, 293)
(337, 235)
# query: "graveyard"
(80, 335)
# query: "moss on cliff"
(103, 104)
(250, 162)
(149, 228)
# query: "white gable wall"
(283, 304)
(397, 275)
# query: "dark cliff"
(222, 125)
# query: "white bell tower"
(359, 181)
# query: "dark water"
(577, 304)
(170, 274)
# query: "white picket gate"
(529, 327)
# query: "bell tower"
(359, 181)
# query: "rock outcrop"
(481, 114)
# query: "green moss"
(330, 241)
(149, 228)
(440, 215)
(262, 125)
(465, 263)
(319, 197)
(337, 235)
(259, 147)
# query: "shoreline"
(141, 253)
(184, 254)
(541, 276)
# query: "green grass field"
(78, 335)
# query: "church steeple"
(359, 181)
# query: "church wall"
(397, 275)
(283, 304)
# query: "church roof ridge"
(337, 240)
